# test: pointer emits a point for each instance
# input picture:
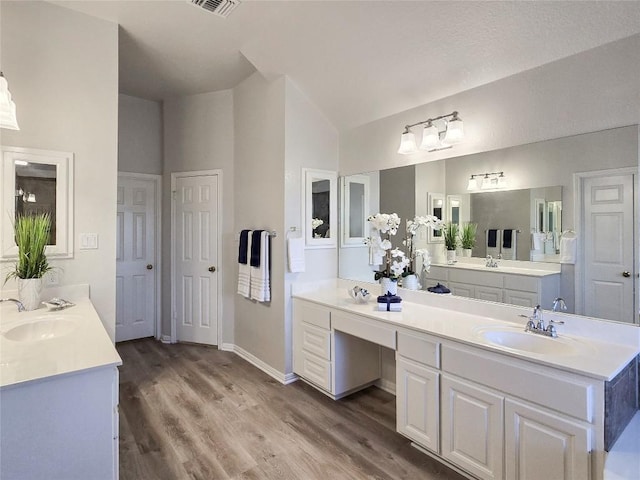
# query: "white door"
(196, 258)
(608, 251)
(417, 405)
(135, 258)
(541, 444)
(472, 428)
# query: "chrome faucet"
(559, 305)
(17, 302)
(491, 262)
(536, 324)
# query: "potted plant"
(450, 234)
(31, 236)
(409, 276)
(468, 238)
(393, 260)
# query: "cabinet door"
(492, 294)
(540, 444)
(417, 403)
(524, 299)
(462, 289)
(472, 428)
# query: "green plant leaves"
(31, 236)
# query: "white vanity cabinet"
(418, 389)
(547, 417)
(329, 358)
(496, 285)
(62, 427)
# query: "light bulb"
(407, 143)
(473, 183)
(502, 181)
(430, 137)
(455, 130)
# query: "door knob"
(212, 269)
(149, 267)
(626, 274)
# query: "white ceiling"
(359, 60)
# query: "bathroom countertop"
(594, 358)
(501, 268)
(85, 346)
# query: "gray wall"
(139, 135)
(502, 210)
(67, 100)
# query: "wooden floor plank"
(195, 412)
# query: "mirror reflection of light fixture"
(433, 138)
(8, 117)
(487, 181)
(26, 196)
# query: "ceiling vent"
(222, 8)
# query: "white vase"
(29, 290)
(388, 286)
(410, 282)
(466, 252)
(451, 257)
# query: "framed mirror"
(454, 209)
(33, 182)
(320, 208)
(354, 204)
(436, 207)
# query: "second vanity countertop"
(503, 267)
(595, 358)
(83, 344)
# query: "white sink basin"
(515, 338)
(42, 328)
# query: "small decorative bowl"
(360, 295)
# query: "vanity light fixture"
(433, 139)
(487, 181)
(7, 106)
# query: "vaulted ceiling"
(356, 60)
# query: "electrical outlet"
(52, 277)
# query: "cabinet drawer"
(316, 340)
(488, 278)
(521, 282)
(567, 394)
(491, 294)
(438, 273)
(419, 348)
(316, 370)
(372, 331)
(523, 299)
(462, 290)
(312, 313)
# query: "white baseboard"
(227, 347)
(386, 385)
(165, 339)
(266, 368)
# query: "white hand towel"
(568, 250)
(538, 241)
(244, 274)
(295, 251)
(260, 287)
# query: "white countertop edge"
(501, 268)
(86, 348)
(615, 358)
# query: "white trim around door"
(220, 269)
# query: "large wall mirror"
(543, 199)
(33, 182)
(320, 208)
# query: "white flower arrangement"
(394, 260)
(427, 221)
(316, 222)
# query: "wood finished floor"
(194, 412)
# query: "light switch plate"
(88, 241)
